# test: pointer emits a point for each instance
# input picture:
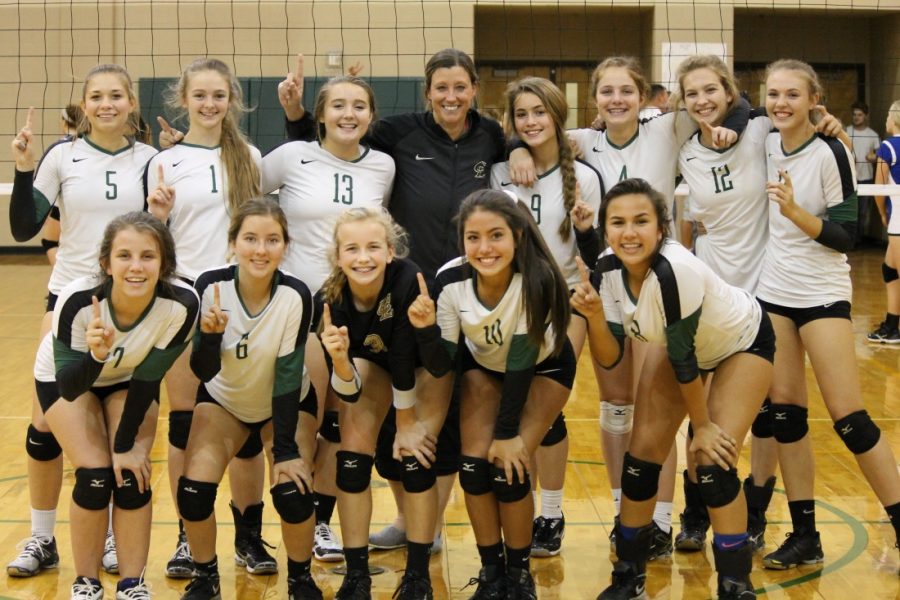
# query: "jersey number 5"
(112, 190)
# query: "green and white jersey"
(90, 186)
(798, 271)
(314, 188)
(496, 337)
(259, 358)
(547, 203)
(682, 305)
(199, 218)
(728, 195)
(144, 350)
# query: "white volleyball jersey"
(261, 355)
(798, 271)
(547, 203)
(90, 186)
(682, 305)
(199, 218)
(315, 187)
(728, 195)
(143, 350)
(489, 332)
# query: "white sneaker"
(35, 555)
(139, 591)
(86, 588)
(110, 560)
(326, 546)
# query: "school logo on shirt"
(374, 343)
(480, 169)
(636, 331)
(385, 309)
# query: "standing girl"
(517, 369)
(655, 290)
(194, 187)
(114, 337)
(805, 286)
(536, 113)
(374, 359)
(90, 179)
(249, 355)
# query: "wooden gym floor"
(861, 561)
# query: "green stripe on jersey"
(680, 336)
(157, 362)
(63, 356)
(288, 372)
(846, 211)
(41, 205)
(522, 354)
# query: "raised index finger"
(28, 117)
(165, 125)
(326, 315)
(161, 176)
(583, 270)
(216, 295)
(423, 287)
(298, 72)
(96, 306)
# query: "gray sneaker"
(388, 538)
(35, 555)
(110, 559)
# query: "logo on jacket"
(385, 309)
(480, 169)
(374, 343)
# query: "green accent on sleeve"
(288, 372)
(157, 362)
(680, 336)
(63, 356)
(522, 354)
(616, 329)
(846, 211)
(41, 205)
(450, 347)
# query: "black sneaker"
(884, 335)
(413, 587)
(660, 543)
(627, 583)
(520, 585)
(203, 587)
(800, 548)
(357, 585)
(730, 589)
(304, 588)
(692, 536)
(547, 536)
(35, 555)
(249, 547)
(491, 582)
(181, 565)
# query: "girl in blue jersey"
(653, 289)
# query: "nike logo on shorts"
(424, 157)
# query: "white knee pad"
(616, 419)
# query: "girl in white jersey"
(536, 112)
(90, 178)
(113, 339)
(374, 362)
(316, 182)
(249, 355)
(653, 289)
(805, 286)
(194, 187)
(517, 369)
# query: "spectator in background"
(657, 102)
(865, 142)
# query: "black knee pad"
(505, 491)
(858, 431)
(557, 433)
(93, 488)
(640, 479)
(128, 496)
(310, 402)
(889, 274)
(354, 471)
(180, 427)
(416, 478)
(41, 445)
(474, 475)
(252, 447)
(718, 487)
(789, 423)
(329, 429)
(762, 425)
(196, 499)
(292, 505)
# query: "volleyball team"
(416, 300)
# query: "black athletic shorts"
(560, 368)
(802, 316)
(51, 301)
(48, 392)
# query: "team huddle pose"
(387, 311)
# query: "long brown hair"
(545, 294)
(714, 64)
(806, 72)
(142, 222)
(241, 171)
(555, 102)
(133, 123)
(322, 99)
